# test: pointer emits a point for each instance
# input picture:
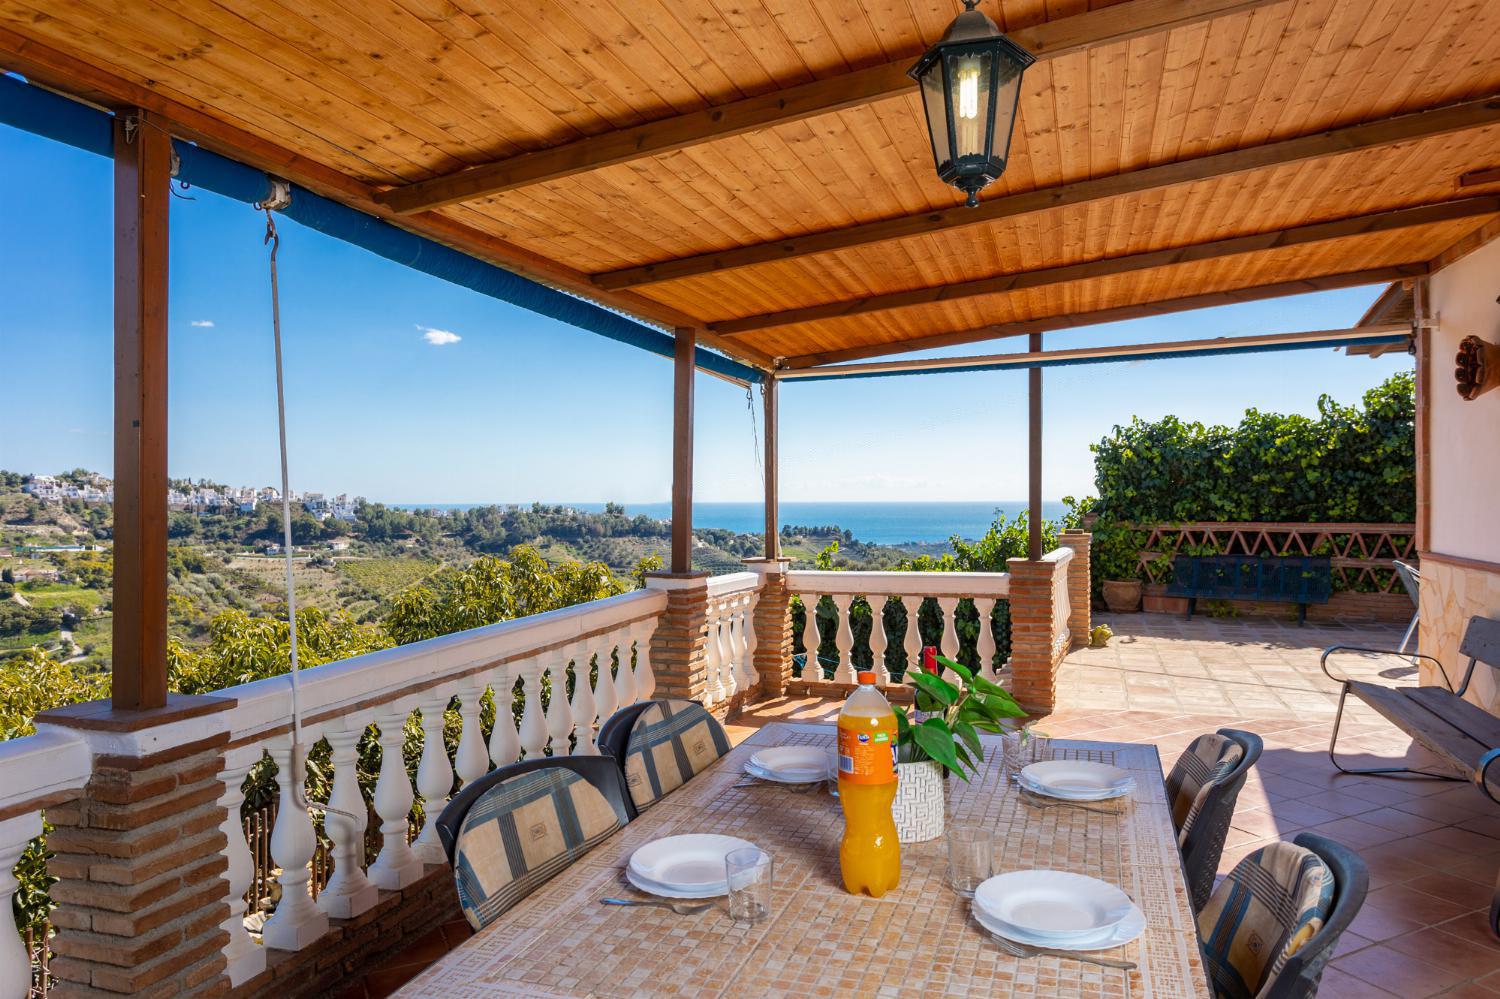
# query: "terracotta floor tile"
(1400, 973)
(1409, 903)
(1337, 984)
(1462, 842)
(1396, 820)
(1355, 833)
(1475, 894)
(1453, 953)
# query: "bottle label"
(866, 757)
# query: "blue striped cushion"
(521, 833)
(1203, 765)
(1272, 903)
(671, 741)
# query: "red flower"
(929, 659)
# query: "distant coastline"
(877, 523)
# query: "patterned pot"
(1122, 596)
(919, 805)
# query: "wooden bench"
(1460, 734)
(1299, 579)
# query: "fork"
(1026, 950)
(681, 908)
(1036, 801)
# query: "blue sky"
(404, 388)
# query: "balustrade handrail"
(734, 582)
(895, 584)
(333, 689)
(41, 770)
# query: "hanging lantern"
(971, 83)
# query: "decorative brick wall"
(1034, 653)
(1080, 584)
(773, 626)
(678, 644)
(140, 859)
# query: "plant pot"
(920, 804)
(1122, 596)
(1156, 601)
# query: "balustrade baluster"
(949, 643)
(397, 866)
(349, 892)
(843, 638)
(607, 699)
(297, 921)
(533, 731)
(645, 680)
(877, 638)
(986, 647)
(15, 962)
(812, 669)
(625, 686)
(434, 778)
(471, 760)
(713, 690)
(744, 630)
(729, 676)
(244, 959)
(584, 710)
(505, 745)
(559, 714)
(912, 643)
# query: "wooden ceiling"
(759, 168)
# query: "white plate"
(1075, 778)
(665, 891)
(1068, 795)
(1126, 930)
(694, 862)
(1052, 905)
(791, 764)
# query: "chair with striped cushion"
(1202, 790)
(1268, 931)
(513, 830)
(669, 741)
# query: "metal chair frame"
(1411, 578)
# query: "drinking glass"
(971, 858)
(749, 873)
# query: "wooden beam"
(1424, 334)
(1384, 132)
(682, 452)
(1465, 246)
(1034, 455)
(771, 389)
(1081, 355)
(1303, 286)
(58, 71)
(143, 194)
(1357, 225)
(863, 86)
(1478, 178)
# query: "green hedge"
(1350, 463)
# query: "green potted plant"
(1117, 562)
(952, 706)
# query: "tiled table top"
(821, 941)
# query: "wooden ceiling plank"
(1388, 131)
(1358, 225)
(1377, 275)
(1111, 24)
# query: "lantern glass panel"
(1008, 94)
(933, 94)
(969, 79)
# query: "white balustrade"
(607, 696)
(843, 638)
(245, 959)
(878, 638)
(812, 668)
(645, 680)
(297, 921)
(434, 776)
(559, 714)
(396, 866)
(584, 710)
(349, 892)
(15, 963)
(625, 682)
(985, 647)
(505, 744)
(533, 731)
(729, 673)
(1062, 636)
(471, 760)
(713, 689)
(744, 632)
(948, 645)
(911, 643)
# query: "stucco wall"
(1465, 474)
(1465, 435)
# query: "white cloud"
(202, 324)
(438, 337)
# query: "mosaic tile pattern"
(919, 939)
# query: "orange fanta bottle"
(869, 856)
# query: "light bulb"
(968, 90)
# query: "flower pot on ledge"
(1122, 596)
(1156, 601)
(919, 805)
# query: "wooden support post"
(771, 458)
(143, 177)
(1422, 347)
(1034, 498)
(682, 451)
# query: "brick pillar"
(140, 856)
(681, 636)
(1033, 672)
(773, 626)
(1080, 584)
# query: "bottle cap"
(865, 676)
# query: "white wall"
(1465, 436)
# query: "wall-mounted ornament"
(1477, 367)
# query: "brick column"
(1080, 585)
(773, 625)
(678, 644)
(140, 856)
(1033, 671)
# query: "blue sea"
(880, 523)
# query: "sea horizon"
(875, 522)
